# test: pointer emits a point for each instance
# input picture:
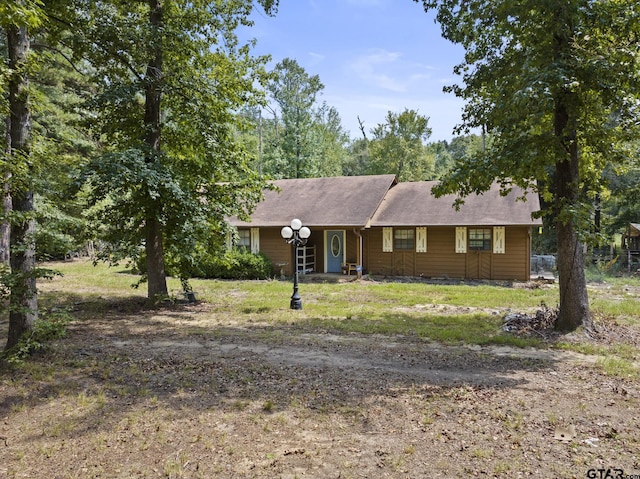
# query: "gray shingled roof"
(334, 201)
(412, 204)
(363, 201)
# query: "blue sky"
(373, 56)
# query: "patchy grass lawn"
(370, 379)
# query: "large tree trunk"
(23, 305)
(5, 225)
(156, 275)
(574, 302)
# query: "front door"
(335, 251)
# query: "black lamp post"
(297, 235)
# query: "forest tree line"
(281, 140)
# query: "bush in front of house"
(234, 264)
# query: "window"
(404, 239)
(480, 239)
(244, 240)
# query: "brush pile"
(544, 320)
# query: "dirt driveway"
(184, 393)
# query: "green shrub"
(234, 264)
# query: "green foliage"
(58, 233)
(622, 205)
(324, 147)
(48, 327)
(59, 146)
(234, 264)
(443, 158)
(357, 161)
(182, 175)
(330, 139)
(294, 91)
(12, 280)
(515, 75)
(23, 13)
(398, 147)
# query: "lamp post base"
(296, 300)
(296, 303)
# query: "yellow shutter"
(421, 239)
(387, 240)
(498, 240)
(255, 240)
(229, 241)
(461, 239)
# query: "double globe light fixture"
(297, 235)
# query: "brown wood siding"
(441, 260)
(276, 249)
(377, 261)
(515, 263)
(351, 246)
(479, 264)
(317, 238)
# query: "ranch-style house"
(376, 225)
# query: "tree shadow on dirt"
(133, 359)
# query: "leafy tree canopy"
(513, 75)
(180, 64)
(398, 146)
(557, 84)
(294, 92)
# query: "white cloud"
(372, 68)
(316, 58)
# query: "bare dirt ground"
(182, 392)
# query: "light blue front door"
(335, 251)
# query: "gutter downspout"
(357, 233)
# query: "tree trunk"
(156, 275)
(23, 304)
(574, 302)
(5, 226)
